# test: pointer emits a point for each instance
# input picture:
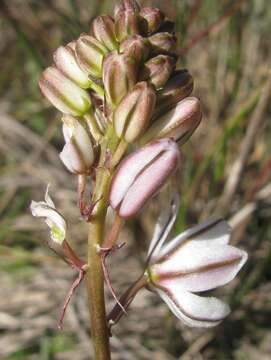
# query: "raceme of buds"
(103, 28)
(64, 94)
(197, 260)
(119, 76)
(178, 123)
(134, 112)
(153, 19)
(163, 43)
(136, 47)
(52, 217)
(65, 60)
(90, 53)
(141, 175)
(158, 70)
(179, 86)
(77, 154)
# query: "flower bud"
(158, 70)
(179, 86)
(104, 30)
(126, 5)
(90, 53)
(63, 93)
(126, 24)
(77, 154)
(66, 62)
(141, 175)
(179, 123)
(153, 19)
(119, 76)
(163, 43)
(136, 47)
(134, 112)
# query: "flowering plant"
(120, 91)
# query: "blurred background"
(227, 171)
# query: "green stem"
(95, 277)
(95, 286)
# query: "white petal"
(217, 230)
(52, 218)
(194, 310)
(72, 159)
(200, 265)
(163, 226)
(48, 199)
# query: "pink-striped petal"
(217, 230)
(200, 266)
(194, 310)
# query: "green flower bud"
(179, 86)
(127, 24)
(66, 62)
(178, 123)
(90, 53)
(119, 76)
(158, 70)
(134, 112)
(136, 47)
(64, 94)
(126, 5)
(153, 19)
(163, 43)
(104, 30)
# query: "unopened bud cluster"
(122, 74)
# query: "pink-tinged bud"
(137, 47)
(153, 19)
(77, 154)
(90, 53)
(64, 94)
(179, 123)
(158, 70)
(126, 5)
(163, 43)
(126, 24)
(103, 28)
(119, 76)
(179, 86)
(66, 62)
(141, 175)
(134, 112)
(197, 260)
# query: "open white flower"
(197, 260)
(53, 219)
